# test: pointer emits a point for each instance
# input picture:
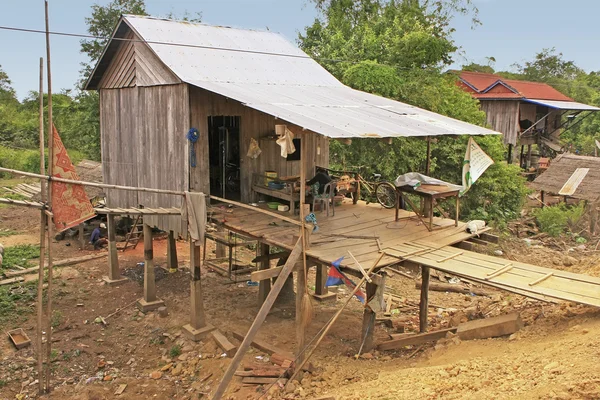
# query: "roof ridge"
(198, 23)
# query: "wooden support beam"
(321, 291)
(300, 320)
(172, 262)
(368, 324)
(114, 275)
(258, 321)
(149, 302)
(81, 236)
(454, 288)
(423, 305)
(264, 285)
(417, 339)
(197, 328)
(268, 257)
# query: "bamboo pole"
(48, 220)
(40, 286)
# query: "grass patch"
(175, 351)
(8, 232)
(56, 319)
(15, 302)
(20, 255)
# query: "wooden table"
(259, 186)
(430, 195)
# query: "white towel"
(193, 212)
(286, 142)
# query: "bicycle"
(383, 191)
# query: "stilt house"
(160, 78)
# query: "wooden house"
(527, 113)
(160, 78)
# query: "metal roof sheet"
(563, 105)
(266, 72)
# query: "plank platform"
(364, 228)
(525, 279)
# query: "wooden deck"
(371, 222)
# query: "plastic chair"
(326, 197)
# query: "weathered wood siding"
(254, 124)
(143, 144)
(135, 64)
(121, 71)
(503, 116)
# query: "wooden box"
(19, 338)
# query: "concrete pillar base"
(113, 282)
(325, 297)
(145, 306)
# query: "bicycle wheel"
(386, 194)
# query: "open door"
(224, 156)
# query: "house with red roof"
(527, 113)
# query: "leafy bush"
(555, 220)
(28, 160)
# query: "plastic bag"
(253, 151)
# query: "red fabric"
(70, 204)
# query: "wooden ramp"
(525, 279)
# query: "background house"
(527, 113)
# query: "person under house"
(97, 238)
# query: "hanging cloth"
(253, 151)
(286, 142)
(193, 213)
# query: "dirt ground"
(555, 355)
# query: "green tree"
(101, 24)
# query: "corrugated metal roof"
(573, 182)
(563, 105)
(266, 72)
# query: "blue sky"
(512, 31)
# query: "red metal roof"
(490, 86)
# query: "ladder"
(135, 234)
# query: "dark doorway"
(224, 156)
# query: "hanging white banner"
(474, 165)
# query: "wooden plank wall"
(150, 70)
(254, 124)
(143, 144)
(121, 71)
(503, 116)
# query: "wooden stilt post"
(300, 323)
(172, 252)
(258, 321)
(220, 248)
(368, 324)
(302, 316)
(197, 328)
(264, 286)
(424, 304)
(542, 193)
(43, 222)
(321, 291)
(149, 302)
(114, 275)
(81, 236)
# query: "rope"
(192, 136)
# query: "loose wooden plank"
(415, 339)
(265, 274)
(61, 263)
(501, 325)
(264, 346)
(224, 343)
(11, 281)
(262, 381)
(454, 288)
